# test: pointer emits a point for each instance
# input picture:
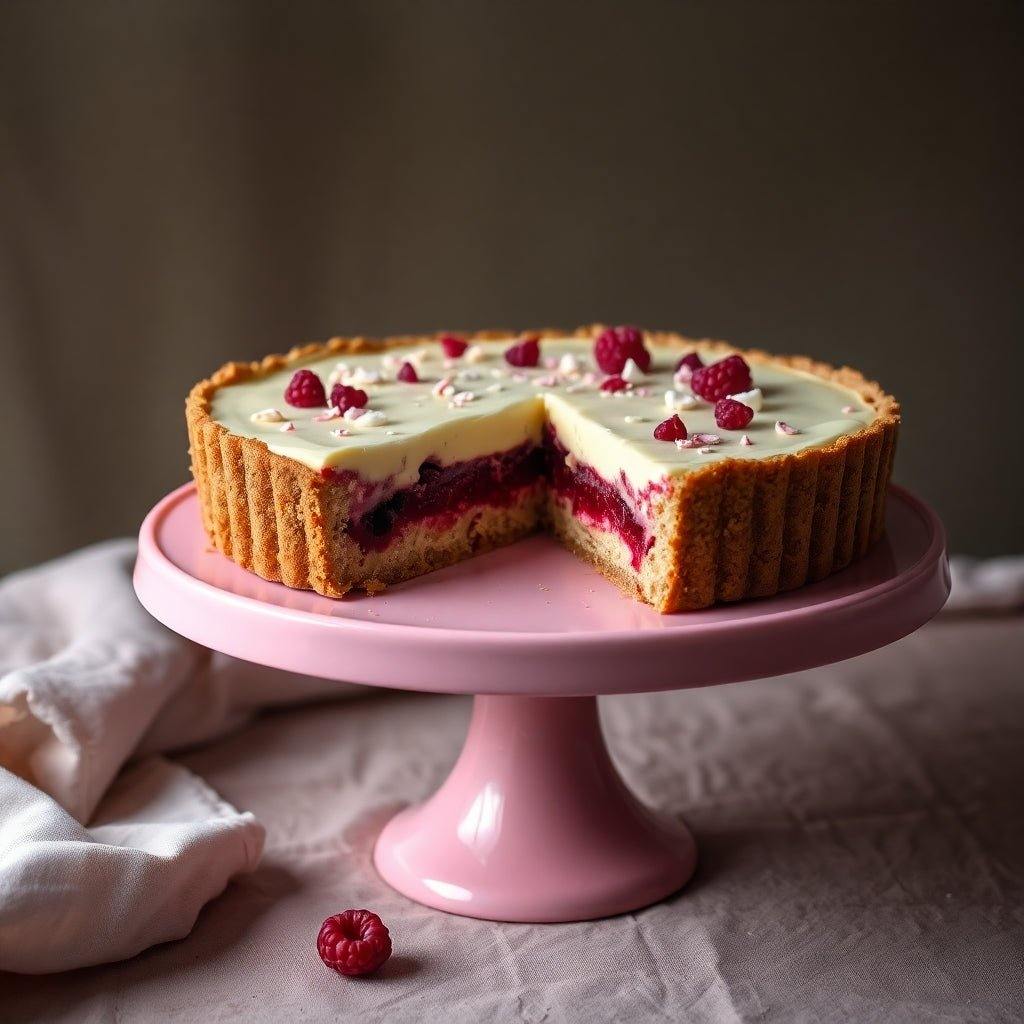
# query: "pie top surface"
(477, 404)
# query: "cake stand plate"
(534, 823)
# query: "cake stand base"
(534, 824)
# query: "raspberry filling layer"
(444, 493)
(596, 501)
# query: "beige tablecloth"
(861, 831)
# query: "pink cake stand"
(534, 822)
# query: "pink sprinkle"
(342, 432)
(707, 439)
(745, 441)
(550, 363)
(590, 377)
(641, 392)
(333, 412)
(286, 427)
(848, 409)
(444, 382)
(781, 427)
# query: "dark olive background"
(185, 182)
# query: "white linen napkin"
(98, 861)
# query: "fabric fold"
(163, 845)
(105, 848)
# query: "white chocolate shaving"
(752, 399)
(631, 372)
(679, 400)
(568, 364)
(338, 374)
(371, 418)
(267, 416)
(363, 376)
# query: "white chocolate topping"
(456, 412)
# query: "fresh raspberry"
(672, 429)
(453, 347)
(526, 353)
(732, 415)
(305, 390)
(345, 397)
(353, 942)
(617, 344)
(691, 361)
(613, 384)
(407, 373)
(726, 377)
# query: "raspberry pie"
(687, 472)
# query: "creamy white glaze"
(590, 424)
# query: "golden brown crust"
(735, 529)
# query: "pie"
(687, 472)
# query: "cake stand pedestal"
(534, 823)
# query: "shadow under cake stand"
(534, 823)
